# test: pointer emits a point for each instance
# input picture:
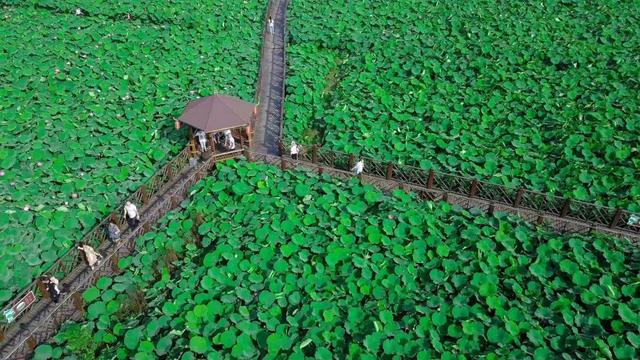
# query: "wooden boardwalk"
(268, 125)
(45, 317)
(554, 222)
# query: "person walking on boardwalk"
(270, 25)
(294, 150)
(113, 232)
(359, 167)
(131, 214)
(202, 138)
(91, 255)
(52, 284)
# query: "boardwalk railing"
(592, 215)
(97, 235)
(72, 301)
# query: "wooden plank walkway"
(268, 125)
(46, 317)
(555, 223)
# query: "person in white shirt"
(359, 167)
(91, 255)
(131, 214)
(202, 138)
(51, 284)
(295, 150)
(229, 141)
(270, 25)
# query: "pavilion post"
(192, 142)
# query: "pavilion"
(215, 114)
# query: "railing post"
(565, 208)
(173, 202)
(170, 173)
(352, 159)
(143, 194)
(445, 197)
(281, 147)
(540, 219)
(283, 163)
(389, 171)
(432, 175)
(78, 302)
(491, 209)
(474, 188)
(616, 218)
(518, 199)
(320, 170)
(31, 342)
(247, 154)
(114, 263)
(314, 154)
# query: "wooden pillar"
(213, 145)
(143, 194)
(248, 133)
(247, 154)
(491, 209)
(445, 197)
(283, 163)
(565, 208)
(170, 173)
(432, 175)
(78, 302)
(474, 188)
(518, 199)
(320, 170)
(192, 142)
(31, 342)
(352, 159)
(114, 263)
(389, 171)
(281, 147)
(314, 154)
(174, 202)
(540, 219)
(616, 218)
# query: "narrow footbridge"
(38, 318)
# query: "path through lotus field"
(87, 111)
(263, 263)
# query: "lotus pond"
(540, 95)
(87, 108)
(269, 264)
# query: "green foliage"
(79, 341)
(453, 86)
(402, 278)
(88, 104)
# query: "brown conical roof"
(217, 113)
